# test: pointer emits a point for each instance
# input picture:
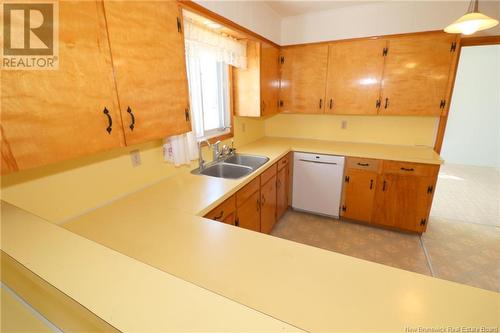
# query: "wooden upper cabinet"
(53, 115)
(256, 87)
(354, 76)
(147, 44)
(416, 74)
(269, 79)
(303, 78)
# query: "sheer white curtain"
(203, 46)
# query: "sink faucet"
(215, 149)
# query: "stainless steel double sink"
(233, 167)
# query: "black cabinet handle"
(132, 124)
(216, 218)
(258, 204)
(386, 103)
(331, 103)
(320, 103)
(407, 169)
(383, 185)
(110, 121)
(371, 184)
(364, 164)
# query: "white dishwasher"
(317, 183)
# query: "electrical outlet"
(343, 125)
(135, 157)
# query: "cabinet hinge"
(186, 113)
(453, 47)
(344, 208)
(385, 51)
(442, 104)
(179, 26)
(347, 179)
(423, 222)
(430, 189)
(281, 103)
(377, 104)
(282, 60)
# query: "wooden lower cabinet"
(283, 186)
(359, 194)
(225, 212)
(403, 201)
(268, 205)
(248, 214)
(389, 193)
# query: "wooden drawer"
(363, 163)
(408, 168)
(268, 174)
(283, 162)
(224, 211)
(247, 191)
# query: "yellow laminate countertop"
(129, 295)
(197, 195)
(307, 287)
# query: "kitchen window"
(209, 58)
(209, 88)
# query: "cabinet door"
(354, 76)
(53, 115)
(282, 192)
(359, 194)
(269, 79)
(403, 201)
(416, 74)
(268, 205)
(303, 79)
(248, 214)
(148, 57)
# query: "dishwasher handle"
(317, 162)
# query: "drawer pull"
(110, 121)
(364, 164)
(216, 218)
(407, 169)
(132, 123)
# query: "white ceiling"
(286, 8)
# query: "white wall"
(254, 15)
(473, 132)
(378, 18)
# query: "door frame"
(463, 42)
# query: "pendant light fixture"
(471, 22)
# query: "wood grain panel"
(354, 76)
(268, 174)
(416, 74)
(247, 191)
(246, 87)
(283, 162)
(268, 205)
(363, 164)
(403, 201)
(359, 194)
(53, 115)
(248, 214)
(150, 71)
(303, 79)
(269, 79)
(224, 212)
(413, 169)
(282, 188)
